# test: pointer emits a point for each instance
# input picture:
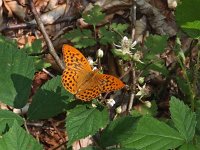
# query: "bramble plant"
(140, 129)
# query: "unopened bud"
(99, 53)
(119, 110)
(111, 102)
(141, 80)
(147, 103)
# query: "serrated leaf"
(107, 37)
(156, 45)
(17, 138)
(16, 77)
(83, 121)
(117, 131)
(81, 38)
(153, 135)
(7, 119)
(184, 119)
(94, 16)
(120, 28)
(49, 100)
(188, 17)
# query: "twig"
(31, 25)
(130, 105)
(46, 37)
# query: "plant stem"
(191, 91)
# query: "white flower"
(126, 46)
(99, 53)
(143, 91)
(91, 61)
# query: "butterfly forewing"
(74, 59)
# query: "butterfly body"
(79, 78)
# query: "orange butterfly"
(79, 79)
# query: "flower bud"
(99, 53)
(119, 110)
(147, 104)
(111, 102)
(141, 80)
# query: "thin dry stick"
(130, 105)
(46, 37)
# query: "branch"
(46, 37)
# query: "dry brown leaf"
(40, 5)
(10, 14)
(15, 8)
(51, 5)
(23, 2)
(25, 39)
(82, 143)
(51, 16)
(140, 28)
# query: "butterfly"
(79, 79)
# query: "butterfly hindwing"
(90, 93)
(109, 83)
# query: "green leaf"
(107, 37)
(156, 65)
(16, 75)
(156, 45)
(188, 146)
(18, 139)
(120, 28)
(94, 16)
(35, 47)
(154, 135)
(49, 100)
(117, 131)
(7, 119)
(198, 117)
(184, 119)
(188, 17)
(81, 38)
(40, 63)
(83, 121)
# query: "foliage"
(188, 17)
(85, 120)
(50, 95)
(140, 129)
(18, 138)
(83, 38)
(18, 68)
